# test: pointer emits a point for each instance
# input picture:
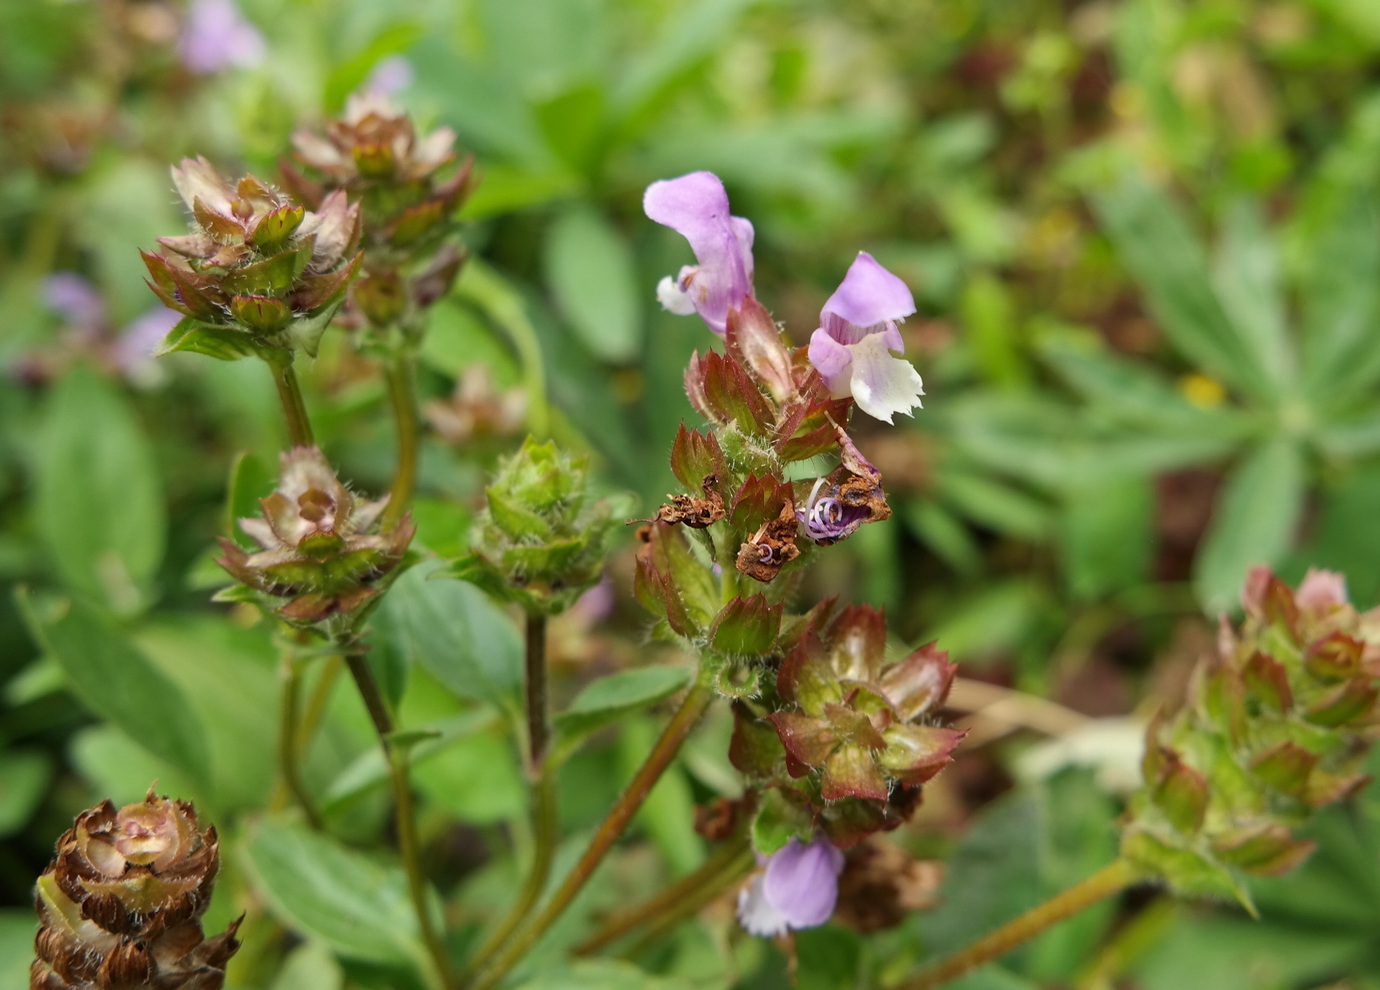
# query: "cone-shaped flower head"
(321, 549)
(374, 153)
(1275, 726)
(696, 206)
(857, 333)
(861, 724)
(540, 541)
(797, 889)
(408, 193)
(120, 904)
(256, 264)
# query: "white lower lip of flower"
(756, 914)
(882, 385)
(673, 298)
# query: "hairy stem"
(680, 899)
(537, 729)
(290, 397)
(696, 700)
(1104, 883)
(355, 654)
(402, 396)
(543, 852)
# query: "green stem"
(1104, 883)
(483, 286)
(290, 397)
(659, 927)
(408, 846)
(537, 730)
(402, 396)
(288, 738)
(696, 700)
(678, 900)
(543, 852)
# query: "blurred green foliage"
(1143, 236)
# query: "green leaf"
(600, 974)
(1120, 388)
(17, 928)
(310, 967)
(993, 503)
(1022, 849)
(988, 315)
(326, 891)
(1253, 523)
(251, 478)
(1344, 535)
(1340, 290)
(1166, 257)
(233, 689)
(118, 682)
(608, 699)
(941, 531)
(1247, 279)
(370, 770)
(221, 343)
(99, 500)
(594, 279)
(453, 630)
(1105, 536)
(24, 777)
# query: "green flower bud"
(540, 541)
(1276, 726)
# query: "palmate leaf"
(1167, 260)
(1340, 297)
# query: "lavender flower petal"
(218, 37)
(801, 882)
(696, 206)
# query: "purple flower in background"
(798, 889)
(696, 206)
(390, 76)
(75, 299)
(857, 333)
(216, 36)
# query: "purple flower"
(798, 889)
(217, 36)
(390, 76)
(696, 206)
(857, 333)
(75, 299)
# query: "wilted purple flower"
(217, 36)
(857, 333)
(798, 889)
(696, 206)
